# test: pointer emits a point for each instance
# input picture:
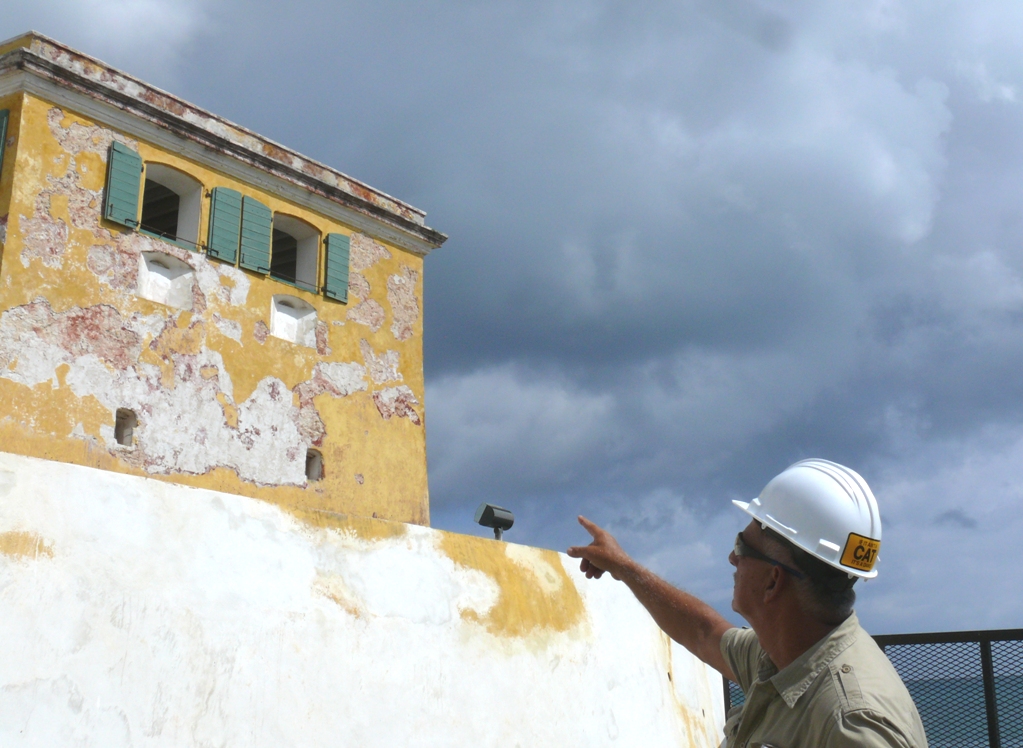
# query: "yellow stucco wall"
(221, 404)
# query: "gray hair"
(826, 593)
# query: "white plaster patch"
(368, 313)
(78, 138)
(33, 339)
(216, 280)
(83, 204)
(44, 237)
(372, 578)
(183, 429)
(106, 433)
(146, 325)
(382, 368)
(237, 287)
(366, 252)
(115, 265)
(33, 364)
(401, 295)
(208, 357)
(358, 286)
(397, 402)
(345, 377)
(228, 328)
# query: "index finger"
(591, 528)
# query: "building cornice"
(38, 65)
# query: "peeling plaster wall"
(220, 403)
(138, 612)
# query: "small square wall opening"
(293, 319)
(165, 280)
(124, 427)
(313, 465)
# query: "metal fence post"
(988, 671)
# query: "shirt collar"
(799, 675)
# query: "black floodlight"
(496, 517)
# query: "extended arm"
(685, 618)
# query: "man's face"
(750, 574)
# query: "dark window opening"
(313, 465)
(295, 252)
(160, 207)
(284, 256)
(124, 427)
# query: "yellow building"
(184, 299)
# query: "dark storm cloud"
(691, 242)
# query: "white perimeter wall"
(135, 612)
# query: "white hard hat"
(825, 509)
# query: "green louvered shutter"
(256, 222)
(124, 176)
(4, 116)
(336, 285)
(225, 224)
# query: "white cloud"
(988, 89)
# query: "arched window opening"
(124, 427)
(171, 203)
(313, 465)
(295, 251)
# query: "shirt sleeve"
(864, 728)
(741, 650)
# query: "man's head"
(816, 530)
(772, 572)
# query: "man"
(813, 678)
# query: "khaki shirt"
(841, 692)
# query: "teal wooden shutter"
(336, 285)
(256, 222)
(225, 224)
(124, 177)
(4, 116)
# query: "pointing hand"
(603, 554)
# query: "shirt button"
(846, 668)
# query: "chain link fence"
(967, 685)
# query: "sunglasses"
(742, 549)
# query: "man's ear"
(777, 581)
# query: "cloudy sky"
(691, 243)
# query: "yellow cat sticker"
(860, 552)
